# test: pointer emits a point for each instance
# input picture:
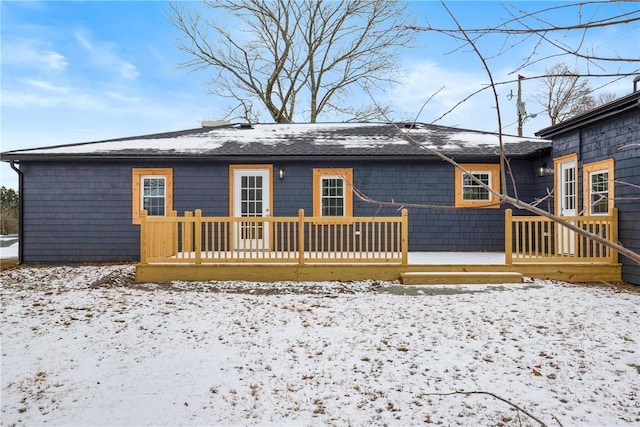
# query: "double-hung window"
(472, 187)
(598, 187)
(152, 190)
(332, 192)
(154, 196)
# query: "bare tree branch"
(495, 396)
(295, 57)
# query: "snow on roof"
(310, 139)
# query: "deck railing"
(539, 239)
(195, 239)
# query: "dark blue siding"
(616, 138)
(81, 212)
(78, 213)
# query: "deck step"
(460, 277)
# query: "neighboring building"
(596, 159)
(82, 202)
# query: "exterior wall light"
(543, 170)
(281, 174)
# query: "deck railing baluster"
(193, 238)
(539, 239)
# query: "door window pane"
(569, 198)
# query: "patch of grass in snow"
(8, 263)
(434, 290)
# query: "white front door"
(567, 194)
(251, 198)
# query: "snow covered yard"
(85, 346)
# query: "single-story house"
(85, 202)
(596, 159)
(82, 202)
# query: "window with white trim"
(332, 193)
(472, 190)
(475, 193)
(154, 195)
(332, 201)
(151, 190)
(598, 188)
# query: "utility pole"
(520, 106)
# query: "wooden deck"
(196, 248)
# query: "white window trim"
(488, 199)
(344, 174)
(492, 170)
(343, 197)
(164, 196)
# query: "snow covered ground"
(85, 346)
(8, 246)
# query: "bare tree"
(295, 58)
(563, 94)
(605, 98)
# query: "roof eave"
(162, 157)
(624, 104)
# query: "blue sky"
(84, 71)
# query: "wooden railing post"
(143, 236)
(508, 236)
(187, 233)
(174, 234)
(405, 236)
(198, 236)
(300, 236)
(614, 235)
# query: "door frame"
(269, 187)
(565, 239)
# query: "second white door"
(251, 198)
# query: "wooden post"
(198, 236)
(187, 233)
(300, 236)
(143, 236)
(174, 234)
(508, 236)
(405, 236)
(614, 235)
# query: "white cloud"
(31, 53)
(104, 55)
(54, 60)
(34, 94)
(446, 87)
(46, 86)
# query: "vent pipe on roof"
(635, 83)
(213, 123)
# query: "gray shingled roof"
(371, 140)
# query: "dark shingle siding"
(617, 138)
(78, 212)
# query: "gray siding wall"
(615, 138)
(81, 212)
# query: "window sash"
(599, 192)
(332, 197)
(153, 195)
(473, 191)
